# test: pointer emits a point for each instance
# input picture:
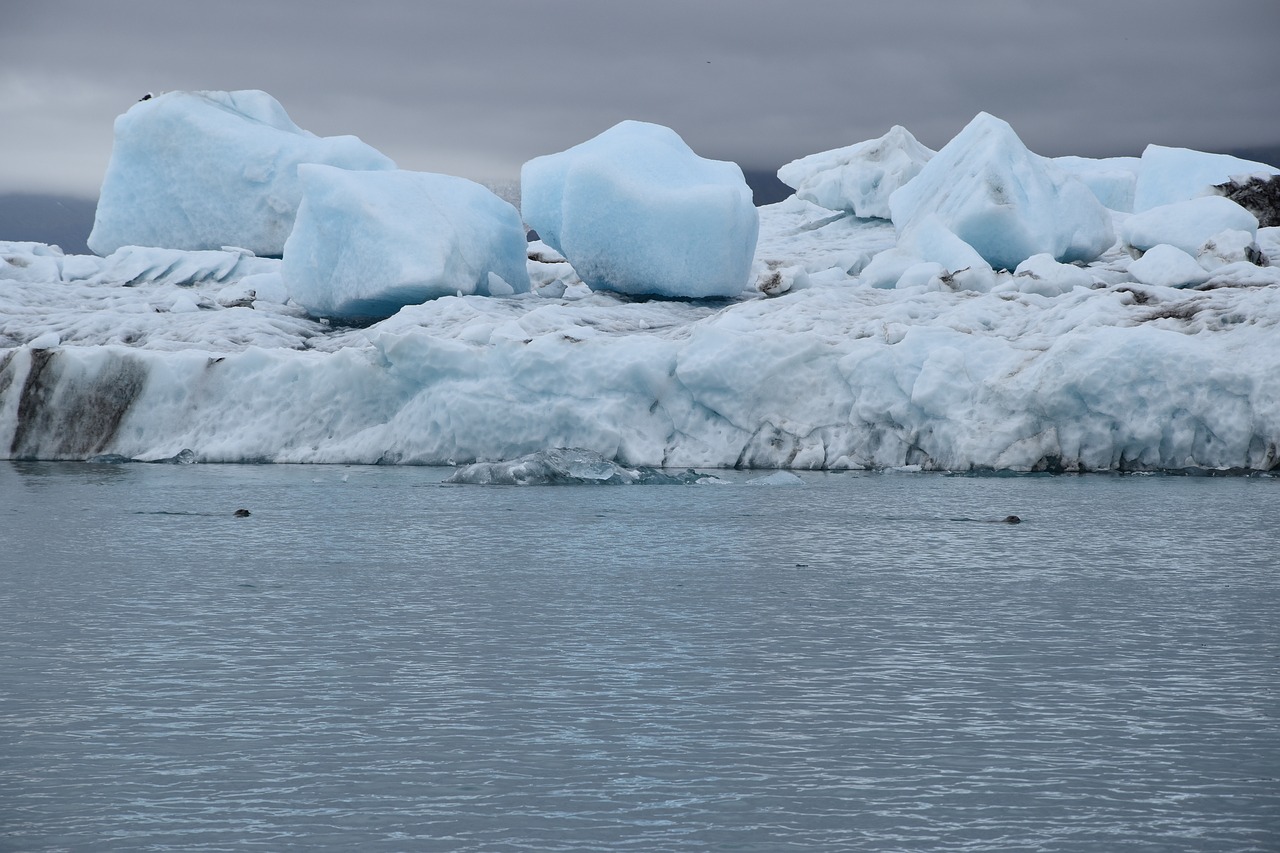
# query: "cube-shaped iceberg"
(1005, 201)
(203, 170)
(861, 177)
(1168, 175)
(366, 244)
(634, 210)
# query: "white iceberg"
(366, 244)
(1186, 224)
(203, 170)
(1003, 200)
(858, 178)
(636, 211)
(1169, 175)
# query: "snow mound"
(1168, 266)
(1177, 174)
(858, 178)
(203, 170)
(1186, 224)
(565, 466)
(1041, 274)
(636, 211)
(368, 243)
(988, 189)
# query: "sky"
(477, 87)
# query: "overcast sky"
(476, 87)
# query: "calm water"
(376, 661)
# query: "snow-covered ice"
(636, 211)
(1169, 361)
(366, 244)
(858, 178)
(203, 170)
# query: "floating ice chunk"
(368, 243)
(1003, 200)
(636, 211)
(777, 478)
(1112, 179)
(203, 170)
(1177, 174)
(858, 178)
(1186, 224)
(564, 466)
(1168, 266)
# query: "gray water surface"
(376, 661)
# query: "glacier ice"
(365, 244)
(856, 347)
(636, 211)
(203, 170)
(1186, 224)
(1167, 175)
(1006, 202)
(858, 178)
(1114, 180)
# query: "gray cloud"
(478, 87)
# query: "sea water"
(374, 660)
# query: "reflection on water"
(374, 660)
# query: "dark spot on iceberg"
(70, 410)
(1260, 196)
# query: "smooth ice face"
(1177, 174)
(1187, 224)
(858, 178)
(1168, 266)
(203, 170)
(1006, 202)
(1112, 179)
(368, 243)
(636, 211)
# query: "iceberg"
(1004, 201)
(858, 178)
(203, 170)
(1168, 175)
(635, 211)
(1187, 224)
(565, 466)
(858, 347)
(365, 244)
(1113, 180)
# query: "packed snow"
(636, 211)
(849, 343)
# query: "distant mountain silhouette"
(63, 221)
(66, 221)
